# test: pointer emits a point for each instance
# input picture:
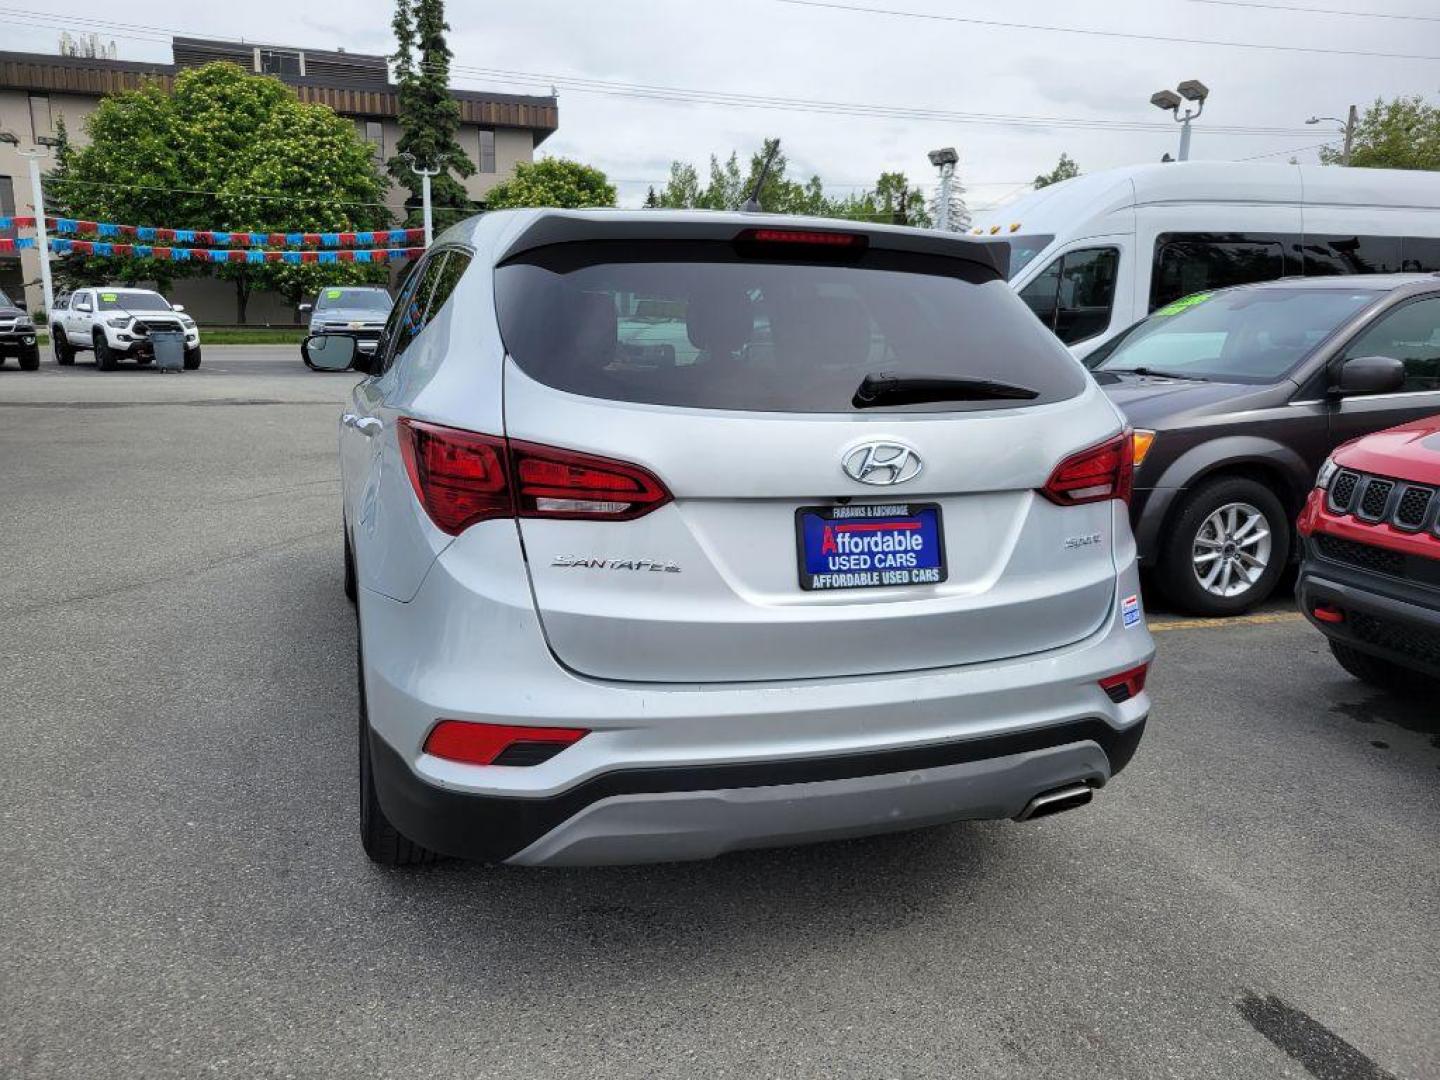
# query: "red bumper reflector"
(1126, 684)
(1328, 613)
(480, 744)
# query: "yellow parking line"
(1238, 620)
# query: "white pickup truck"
(116, 325)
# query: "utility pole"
(425, 175)
(42, 239)
(1347, 128)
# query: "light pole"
(425, 175)
(42, 241)
(1347, 128)
(945, 160)
(1190, 90)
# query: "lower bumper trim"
(496, 828)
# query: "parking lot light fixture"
(1191, 90)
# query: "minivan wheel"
(1227, 548)
(1380, 672)
(383, 843)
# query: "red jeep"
(1370, 580)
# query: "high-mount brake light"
(464, 477)
(1097, 474)
(812, 242)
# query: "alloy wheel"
(1232, 549)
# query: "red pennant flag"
(346, 256)
(22, 222)
(161, 252)
(277, 239)
(347, 239)
(164, 234)
(380, 255)
(312, 238)
(127, 230)
(309, 256)
(7, 245)
(236, 256)
(84, 247)
(123, 249)
(202, 236)
(274, 256)
(200, 254)
(414, 234)
(85, 226)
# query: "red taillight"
(1328, 613)
(491, 744)
(1126, 684)
(1100, 473)
(458, 476)
(462, 477)
(553, 483)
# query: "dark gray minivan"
(1238, 396)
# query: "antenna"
(752, 204)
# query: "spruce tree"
(429, 116)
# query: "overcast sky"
(779, 49)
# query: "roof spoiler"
(565, 228)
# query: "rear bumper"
(671, 771)
(1396, 620)
(697, 812)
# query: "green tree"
(1399, 134)
(429, 117)
(552, 182)
(1066, 169)
(225, 150)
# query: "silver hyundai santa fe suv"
(674, 533)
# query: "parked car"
(1236, 398)
(1370, 580)
(1093, 254)
(354, 312)
(17, 335)
(849, 553)
(116, 324)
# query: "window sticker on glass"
(1184, 304)
(332, 294)
(109, 297)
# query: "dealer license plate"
(860, 547)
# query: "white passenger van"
(1094, 254)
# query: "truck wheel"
(104, 355)
(64, 351)
(1226, 548)
(30, 361)
(192, 358)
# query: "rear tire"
(1382, 673)
(104, 355)
(64, 351)
(1192, 537)
(30, 361)
(383, 843)
(192, 358)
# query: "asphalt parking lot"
(185, 893)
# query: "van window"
(703, 325)
(1023, 250)
(1326, 255)
(1187, 266)
(1410, 333)
(1420, 255)
(1074, 295)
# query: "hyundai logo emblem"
(881, 463)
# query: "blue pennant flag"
(66, 225)
(24, 243)
(179, 254)
(292, 256)
(60, 247)
(329, 256)
(104, 249)
(364, 239)
(254, 256)
(397, 236)
(330, 239)
(185, 236)
(397, 253)
(294, 239)
(143, 251)
(220, 237)
(4, 223)
(362, 256)
(145, 232)
(107, 229)
(259, 239)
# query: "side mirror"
(332, 352)
(306, 307)
(1369, 375)
(177, 307)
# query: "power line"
(994, 23)
(729, 99)
(1273, 153)
(1318, 11)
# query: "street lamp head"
(946, 156)
(1168, 100)
(9, 137)
(1193, 90)
(47, 140)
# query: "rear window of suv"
(699, 325)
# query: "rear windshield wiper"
(891, 388)
(1155, 373)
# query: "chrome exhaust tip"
(1056, 801)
